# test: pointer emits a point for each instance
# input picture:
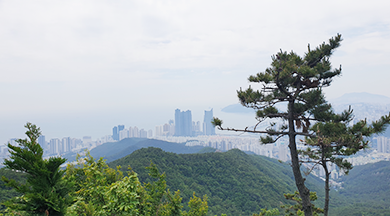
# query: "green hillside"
(236, 183)
(366, 190)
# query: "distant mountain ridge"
(361, 97)
(237, 108)
(349, 99)
(114, 150)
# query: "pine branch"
(272, 133)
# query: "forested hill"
(236, 183)
(114, 150)
(366, 190)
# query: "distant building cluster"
(183, 126)
(168, 129)
(57, 146)
(120, 132)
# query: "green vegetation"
(232, 183)
(101, 190)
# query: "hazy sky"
(78, 68)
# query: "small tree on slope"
(297, 82)
(334, 140)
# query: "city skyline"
(118, 132)
(243, 118)
(74, 68)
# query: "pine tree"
(296, 82)
(45, 191)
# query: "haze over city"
(79, 68)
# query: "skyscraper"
(115, 134)
(183, 123)
(177, 122)
(116, 130)
(208, 128)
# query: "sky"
(78, 68)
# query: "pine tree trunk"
(327, 175)
(299, 180)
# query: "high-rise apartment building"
(66, 141)
(123, 134)
(143, 133)
(55, 146)
(150, 133)
(135, 131)
(115, 134)
(183, 123)
(383, 144)
(208, 128)
(171, 127)
(42, 142)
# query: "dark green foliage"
(297, 208)
(44, 190)
(235, 183)
(206, 150)
(7, 192)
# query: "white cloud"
(100, 55)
